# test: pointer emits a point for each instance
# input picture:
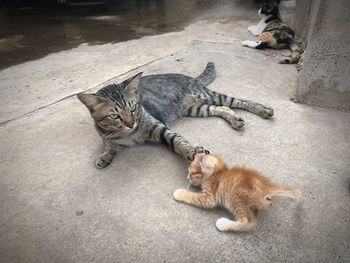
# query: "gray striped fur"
(160, 100)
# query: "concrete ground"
(55, 206)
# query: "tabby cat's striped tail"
(207, 76)
(294, 47)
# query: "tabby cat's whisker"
(107, 137)
(104, 137)
(112, 135)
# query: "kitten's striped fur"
(273, 33)
(140, 109)
(237, 189)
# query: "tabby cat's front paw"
(101, 162)
(178, 194)
(194, 151)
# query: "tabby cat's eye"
(133, 107)
(114, 116)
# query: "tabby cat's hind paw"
(237, 123)
(229, 115)
(266, 112)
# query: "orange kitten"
(237, 189)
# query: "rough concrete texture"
(323, 26)
(57, 207)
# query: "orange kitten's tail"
(283, 190)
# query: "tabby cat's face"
(117, 108)
(116, 117)
(202, 167)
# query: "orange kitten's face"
(201, 168)
(195, 175)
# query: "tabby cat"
(237, 189)
(273, 33)
(140, 109)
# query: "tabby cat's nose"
(129, 123)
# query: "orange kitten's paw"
(179, 194)
(223, 224)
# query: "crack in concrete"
(4, 123)
(194, 43)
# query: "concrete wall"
(324, 28)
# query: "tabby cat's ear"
(91, 100)
(131, 88)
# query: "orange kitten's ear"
(208, 164)
(199, 157)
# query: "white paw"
(256, 33)
(245, 43)
(177, 194)
(249, 43)
(223, 224)
(254, 30)
(251, 29)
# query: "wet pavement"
(31, 33)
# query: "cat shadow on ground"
(297, 234)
